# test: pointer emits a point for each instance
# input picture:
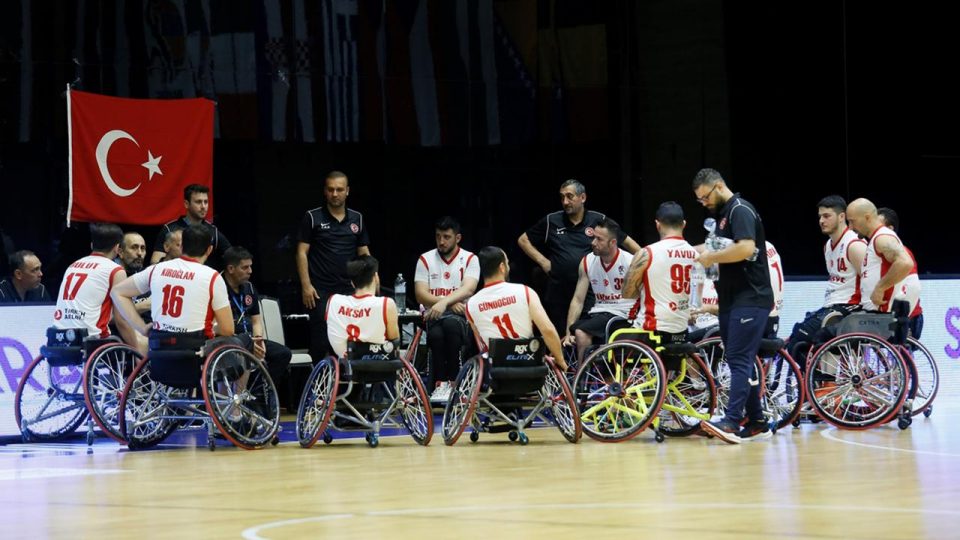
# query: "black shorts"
(594, 324)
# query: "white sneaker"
(441, 393)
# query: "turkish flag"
(131, 158)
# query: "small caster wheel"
(796, 423)
(327, 438)
(474, 436)
(90, 437)
(512, 436)
(373, 440)
(928, 411)
(212, 445)
(275, 440)
(659, 437)
(522, 437)
(903, 423)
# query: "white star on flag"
(152, 164)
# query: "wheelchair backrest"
(359, 350)
(882, 325)
(65, 337)
(517, 352)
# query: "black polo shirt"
(745, 283)
(565, 243)
(244, 303)
(332, 244)
(8, 294)
(218, 240)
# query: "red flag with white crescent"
(131, 158)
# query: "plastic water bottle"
(711, 272)
(400, 293)
(696, 286)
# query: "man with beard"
(133, 249)
(565, 237)
(196, 201)
(330, 236)
(445, 278)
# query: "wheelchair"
(366, 391)
(507, 389)
(75, 379)
(186, 380)
(926, 376)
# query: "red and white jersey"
(444, 276)
(843, 286)
(665, 292)
(708, 297)
(874, 268)
(84, 297)
(356, 318)
(607, 282)
(776, 279)
(185, 294)
(501, 310)
(909, 288)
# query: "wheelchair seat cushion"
(62, 356)
(176, 368)
(365, 371)
(770, 346)
(517, 380)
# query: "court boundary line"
(826, 434)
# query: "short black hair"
(889, 217)
(490, 258)
(361, 270)
(103, 236)
(833, 202)
(706, 177)
(196, 240)
(234, 255)
(194, 188)
(448, 223)
(610, 225)
(335, 174)
(19, 258)
(670, 213)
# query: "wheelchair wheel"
(927, 375)
(695, 391)
(240, 397)
(104, 376)
(463, 400)
(563, 408)
(619, 390)
(317, 402)
(49, 401)
(783, 389)
(414, 405)
(145, 410)
(857, 381)
(713, 353)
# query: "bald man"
(886, 262)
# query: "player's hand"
(436, 311)
(560, 363)
(310, 297)
(546, 266)
(877, 296)
(567, 340)
(460, 308)
(705, 258)
(259, 347)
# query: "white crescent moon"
(103, 148)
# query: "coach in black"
(745, 299)
(330, 236)
(565, 236)
(196, 200)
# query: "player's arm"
(540, 319)
(534, 253)
(363, 250)
(220, 304)
(576, 303)
(855, 252)
(740, 250)
(393, 327)
(630, 246)
(900, 265)
(634, 278)
(259, 347)
(158, 251)
(122, 295)
(309, 294)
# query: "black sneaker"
(755, 431)
(727, 432)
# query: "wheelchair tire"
(563, 407)
(784, 393)
(927, 382)
(53, 412)
(317, 402)
(414, 404)
(462, 403)
(240, 397)
(619, 390)
(698, 390)
(104, 376)
(142, 406)
(713, 354)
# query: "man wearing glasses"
(745, 299)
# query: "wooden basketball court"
(812, 482)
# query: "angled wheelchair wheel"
(784, 394)
(857, 381)
(619, 390)
(240, 397)
(562, 406)
(927, 380)
(414, 405)
(713, 353)
(49, 401)
(145, 410)
(317, 402)
(463, 400)
(104, 376)
(691, 398)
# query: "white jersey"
(776, 279)
(185, 294)
(444, 276)
(874, 268)
(708, 298)
(607, 282)
(909, 288)
(665, 291)
(84, 297)
(843, 286)
(501, 310)
(356, 318)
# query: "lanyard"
(243, 310)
